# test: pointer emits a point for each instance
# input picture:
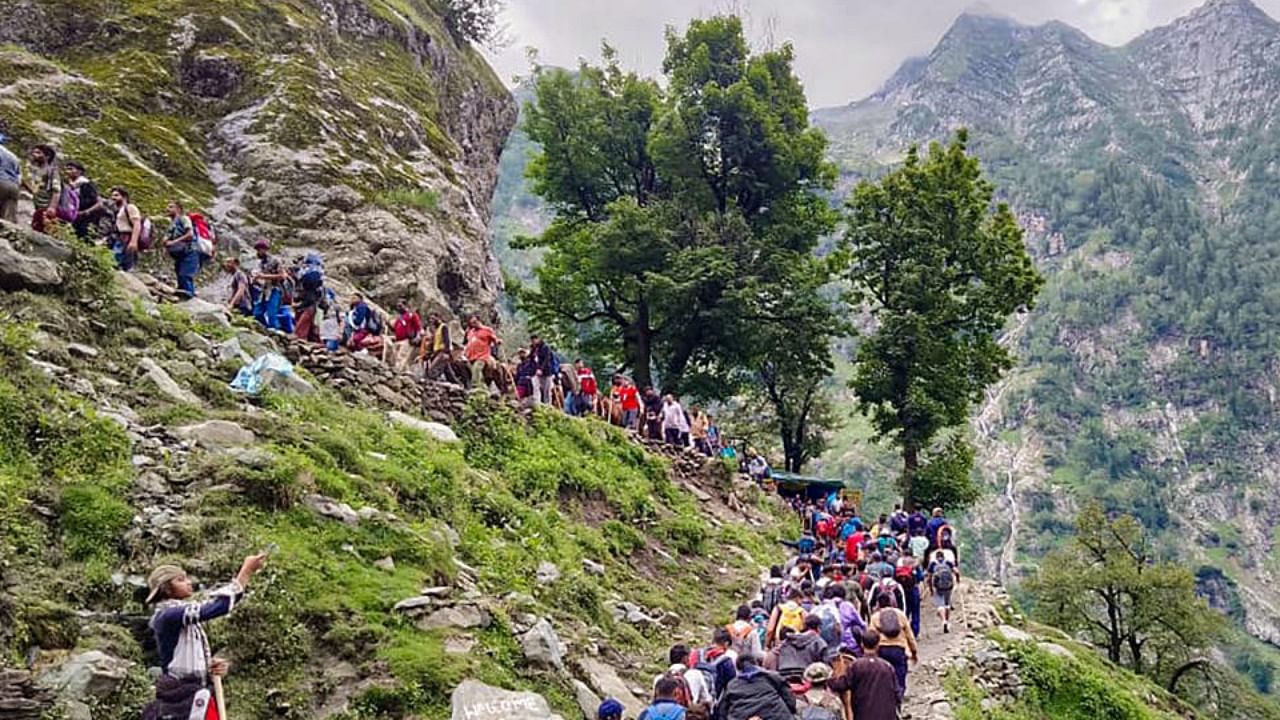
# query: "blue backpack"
(311, 274)
(663, 711)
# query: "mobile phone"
(271, 549)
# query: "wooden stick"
(219, 698)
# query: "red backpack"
(683, 695)
(827, 528)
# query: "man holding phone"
(189, 671)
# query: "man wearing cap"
(10, 178)
(186, 663)
(816, 677)
(270, 281)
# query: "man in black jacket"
(756, 693)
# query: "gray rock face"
(216, 434)
(88, 675)
(588, 701)
(542, 646)
(474, 700)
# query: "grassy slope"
(514, 494)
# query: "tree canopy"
(941, 268)
(1105, 584)
(685, 217)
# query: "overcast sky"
(845, 48)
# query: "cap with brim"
(817, 673)
(160, 577)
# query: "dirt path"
(973, 614)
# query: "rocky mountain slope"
(424, 537)
(1146, 176)
(361, 128)
(440, 556)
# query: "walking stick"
(219, 698)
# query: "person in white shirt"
(675, 426)
(695, 680)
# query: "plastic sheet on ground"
(253, 377)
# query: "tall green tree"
(681, 214)
(1105, 584)
(941, 268)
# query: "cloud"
(845, 48)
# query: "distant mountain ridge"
(1147, 178)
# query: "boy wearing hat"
(186, 662)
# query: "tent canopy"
(813, 487)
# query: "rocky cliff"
(361, 128)
(1145, 176)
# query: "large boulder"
(88, 675)
(166, 384)
(604, 681)
(203, 311)
(588, 701)
(216, 434)
(474, 700)
(440, 432)
(462, 617)
(542, 646)
(20, 271)
(20, 697)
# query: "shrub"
(92, 521)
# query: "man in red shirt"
(481, 341)
(629, 396)
(407, 331)
(586, 388)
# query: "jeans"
(913, 609)
(629, 418)
(267, 311)
(186, 266)
(542, 389)
(897, 657)
(125, 260)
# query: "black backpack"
(889, 625)
(374, 324)
(771, 597)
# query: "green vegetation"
(941, 272)
(514, 493)
(1145, 615)
(668, 253)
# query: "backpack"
(791, 615)
(761, 623)
(555, 364)
(805, 545)
(831, 629)
(817, 713)
(147, 237)
(945, 535)
(683, 695)
(889, 586)
(827, 528)
(740, 635)
(771, 596)
(374, 324)
(68, 203)
(944, 578)
(202, 235)
(904, 575)
(666, 711)
(889, 625)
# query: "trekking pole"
(219, 698)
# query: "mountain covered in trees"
(1145, 177)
